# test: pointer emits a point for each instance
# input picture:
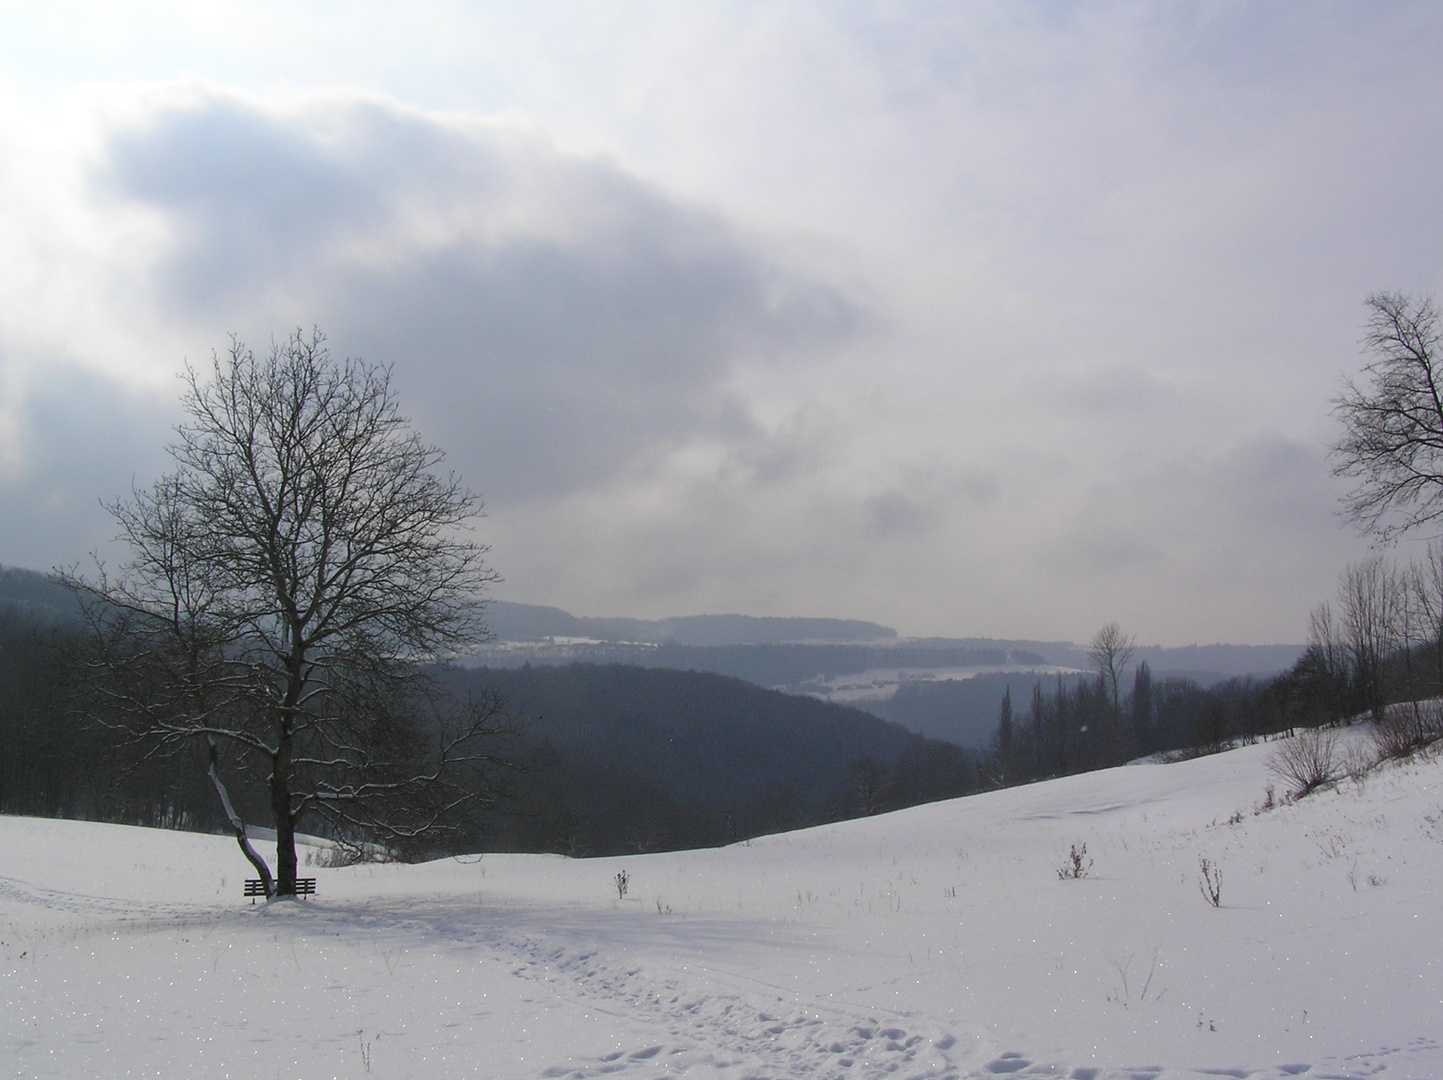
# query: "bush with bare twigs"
(1358, 761)
(1308, 761)
(1076, 865)
(1407, 727)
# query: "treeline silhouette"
(1069, 724)
(1379, 644)
(614, 758)
(607, 759)
(54, 764)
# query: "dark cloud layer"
(87, 440)
(551, 319)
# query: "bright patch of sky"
(988, 319)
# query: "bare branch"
(1392, 441)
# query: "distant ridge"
(36, 595)
(532, 623)
(510, 621)
(944, 688)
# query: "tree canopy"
(1392, 441)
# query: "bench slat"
(305, 886)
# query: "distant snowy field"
(880, 684)
(934, 942)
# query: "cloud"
(86, 439)
(1238, 541)
(988, 319)
(551, 319)
(252, 201)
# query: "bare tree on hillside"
(1328, 664)
(287, 582)
(1111, 651)
(1369, 593)
(1392, 441)
(1427, 581)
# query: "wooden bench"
(305, 886)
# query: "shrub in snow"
(1077, 864)
(1407, 727)
(1269, 802)
(1358, 761)
(621, 881)
(1307, 761)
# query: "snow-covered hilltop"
(940, 941)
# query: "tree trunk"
(281, 815)
(237, 824)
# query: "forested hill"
(615, 759)
(24, 592)
(643, 758)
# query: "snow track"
(714, 1022)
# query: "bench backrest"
(305, 886)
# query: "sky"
(974, 319)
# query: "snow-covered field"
(934, 942)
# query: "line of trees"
(614, 759)
(1075, 724)
(54, 764)
(1378, 644)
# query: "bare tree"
(1328, 661)
(1005, 736)
(1408, 628)
(1427, 578)
(1324, 635)
(288, 583)
(1392, 441)
(1111, 651)
(1369, 594)
(1307, 761)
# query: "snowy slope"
(933, 942)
